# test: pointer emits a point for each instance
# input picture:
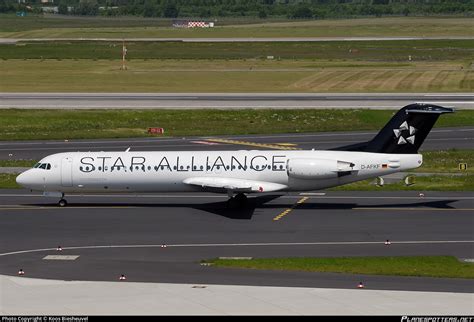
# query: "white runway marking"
(414, 242)
(61, 257)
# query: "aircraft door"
(66, 172)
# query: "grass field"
(426, 266)
(447, 161)
(382, 51)
(234, 76)
(18, 124)
(7, 181)
(67, 27)
(17, 163)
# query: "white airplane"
(393, 149)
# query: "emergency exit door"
(66, 172)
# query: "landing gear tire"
(62, 203)
(238, 201)
(240, 198)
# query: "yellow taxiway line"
(287, 211)
(260, 145)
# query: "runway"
(438, 139)
(230, 100)
(126, 234)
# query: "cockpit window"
(45, 166)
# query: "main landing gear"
(239, 200)
(62, 202)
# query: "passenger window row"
(200, 168)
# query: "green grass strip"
(17, 124)
(425, 266)
(7, 181)
(390, 50)
(17, 163)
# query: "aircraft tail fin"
(405, 132)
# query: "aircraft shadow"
(230, 211)
(246, 212)
(437, 204)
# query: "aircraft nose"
(24, 179)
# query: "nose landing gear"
(62, 202)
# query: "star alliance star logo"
(405, 127)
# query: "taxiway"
(126, 234)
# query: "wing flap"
(233, 184)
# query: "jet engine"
(318, 168)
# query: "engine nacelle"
(317, 168)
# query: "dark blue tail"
(405, 132)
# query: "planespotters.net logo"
(437, 319)
(401, 135)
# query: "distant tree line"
(293, 9)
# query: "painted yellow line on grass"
(260, 145)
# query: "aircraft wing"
(233, 184)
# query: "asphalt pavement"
(227, 101)
(163, 238)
